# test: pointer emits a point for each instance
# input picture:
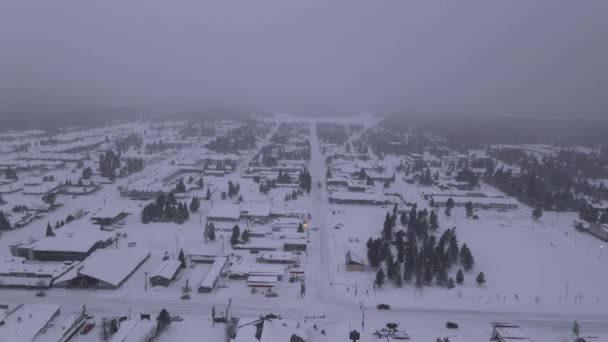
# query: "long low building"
(105, 269)
(478, 202)
(342, 197)
(74, 245)
(19, 272)
(224, 212)
(245, 270)
(262, 281)
(210, 280)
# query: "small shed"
(507, 332)
(354, 262)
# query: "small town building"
(224, 213)
(165, 273)
(354, 262)
(213, 275)
(507, 332)
(104, 269)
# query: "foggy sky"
(483, 56)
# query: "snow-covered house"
(354, 262)
(165, 273)
(135, 331)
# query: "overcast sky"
(489, 56)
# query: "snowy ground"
(544, 259)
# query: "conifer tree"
(459, 277)
(49, 230)
(481, 279)
(380, 278)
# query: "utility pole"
(145, 281)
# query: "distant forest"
(475, 131)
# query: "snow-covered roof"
(73, 241)
(277, 256)
(24, 322)
(135, 331)
(257, 269)
(508, 332)
(225, 210)
(255, 209)
(112, 266)
(359, 196)
(214, 272)
(166, 269)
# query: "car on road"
(132, 244)
(383, 306)
(185, 296)
(177, 318)
(451, 325)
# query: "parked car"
(185, 296)
(87, 328)
(271, 294)
(177, 318)
(383, 306)
(132, 244)
(451, 325)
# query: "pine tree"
(469, 208)
(4, 223)
(194, 204)
(49, 230)
(442, 278)
(380, 278)
(481, 279)
(163, 320)
(245, 236)
(182, 259)
(433, 221)
(449, 204)
(537, 213)
(403, 219)
(236, 231)
(450, 284)
(211, 231)
(398, 280)
(466, 258)
(180, 187)
(459, 276)
(301, 228)
(453, 248)
(387, 231)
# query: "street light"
(601, 248)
